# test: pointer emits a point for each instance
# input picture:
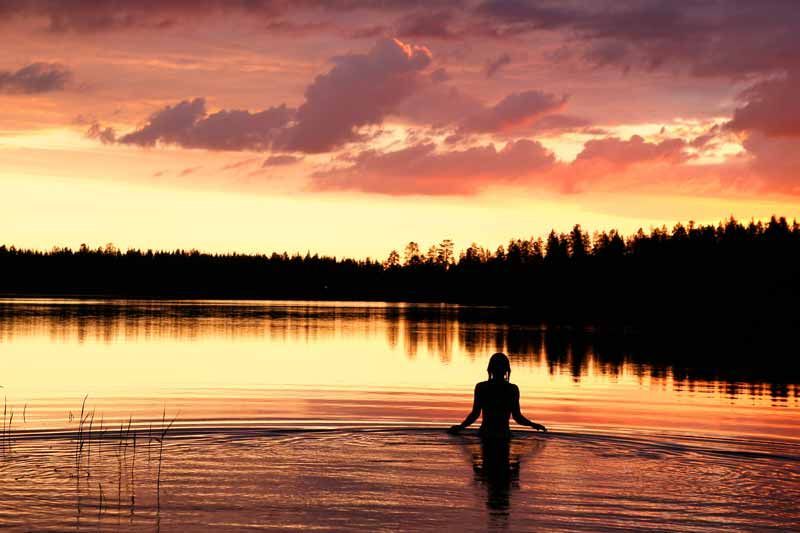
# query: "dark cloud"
(360, 90)
(281, 160)
(171, 125)
(530, 14)
(494, 66)
(515, 110)
(709, 37)
(35, 78)
(369, 32)
(427, 25)
(445, 106)
(91, 16)
(104, 135)
(771, 107)
(187, 124)
(422, 169)
(289, 27)
(238, 130)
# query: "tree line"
(728, 272)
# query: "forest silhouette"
(730, 273)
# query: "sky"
(350, 127)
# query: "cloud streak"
(495, 65)
(35, 78)
(92, 16)
(280, 161)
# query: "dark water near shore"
(329, 416)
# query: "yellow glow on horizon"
(61, 189)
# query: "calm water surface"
(329, 416)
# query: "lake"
(330, 416)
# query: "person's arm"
(473, 415)
(517, 415)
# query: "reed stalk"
(8, 432)
(3, 433)
(163, 436)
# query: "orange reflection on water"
(313, 363)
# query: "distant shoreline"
(730, 274)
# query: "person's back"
(497, 400)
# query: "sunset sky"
(350, 127)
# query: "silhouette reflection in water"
(496, 465)
(497, 471)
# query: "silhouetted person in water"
(498, 400)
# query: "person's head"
(499, 367)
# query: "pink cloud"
(438, 104)
(771, 107)
(446, 106)
(422, 169)
(620, 153)
(514, 111)
(425, 168)
(360, 90)
(774, 162)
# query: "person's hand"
(538, 427)
(455, 430)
